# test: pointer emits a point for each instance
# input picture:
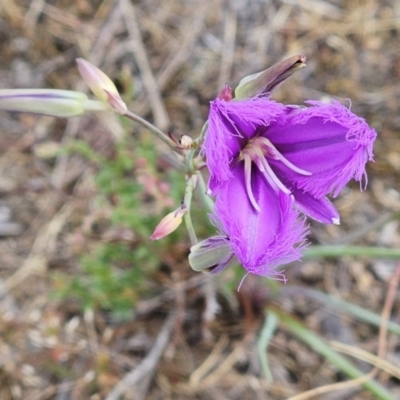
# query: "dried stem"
(148, 363)
(394, 283)
(157, 105)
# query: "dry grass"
(180, 53)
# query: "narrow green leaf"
(266, 334)
(323, 348)
(343, 306)
(361, 251)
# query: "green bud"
(53, 102)
(210, 254)
(263, 83)
(101, 85)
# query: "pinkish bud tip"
(226, 93)
(168, 224)
(101, 85)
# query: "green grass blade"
(322, 348)
(361, 251)
(343, 306)
(266, 334)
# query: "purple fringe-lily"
(268, 162)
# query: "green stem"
(202, 192)
(337, 251)
(191, 184)
(154, 130)
(341, 305)
(189, 156)
(266, 334)
(323, 348)
(202, 134)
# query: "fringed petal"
(321, 210)
(262, 240)
(327, 140)
(230, 125)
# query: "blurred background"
(88, 305)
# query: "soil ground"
(54, 349)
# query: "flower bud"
(53, 102)
(263, 83)
(101, 85)
(226, 93)
(186, 142)
(212, 255)
(169, 223)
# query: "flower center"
(258, 150)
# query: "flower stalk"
(191, 184)
(154, 130)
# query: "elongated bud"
(263, 83)
(53, 102)
(212, 255)
(101, 85)
(169, 223)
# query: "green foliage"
(113, 278)
(115, 274)
(83, 148)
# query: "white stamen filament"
(258, 151)
(276, 155)
(258, 157)
(270, 175)
(247, 178)
(292, 166)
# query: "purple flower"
(307, 153)
(269, 161)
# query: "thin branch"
(185, 43)
(228, 48)
(206, 200)
(387, 308)
(153, 129)
(148, 364)
(191, 184)
(160, 114)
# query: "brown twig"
(228, 48)
(394, 283)
(189, 34)
(97, 44)
(147, 306)
(148, 364)
(160, 114)
(45, 243)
